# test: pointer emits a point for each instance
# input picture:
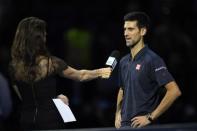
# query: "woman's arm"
(86, 75)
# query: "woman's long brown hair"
(28, 44)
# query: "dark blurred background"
(84, 33)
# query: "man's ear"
(143, 31)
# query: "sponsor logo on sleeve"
(160, 68)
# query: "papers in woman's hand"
(64, 111)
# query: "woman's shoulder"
(46, 60)
(52, 62)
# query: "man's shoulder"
(124, 58)
(151, 55)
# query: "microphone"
(113, 59)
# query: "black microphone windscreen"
(115, 54)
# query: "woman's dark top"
(38, 110)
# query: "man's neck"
(136, 48)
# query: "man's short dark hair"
(143, 20)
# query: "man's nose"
(125, 33)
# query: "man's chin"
(130, 45)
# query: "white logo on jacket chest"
(138, 66)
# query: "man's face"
(132, 33)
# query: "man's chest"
(135, 71)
